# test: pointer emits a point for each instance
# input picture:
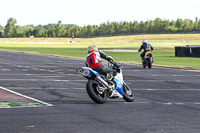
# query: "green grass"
(61, 52)
(164, 53)
(162, 57)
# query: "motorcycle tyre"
(93, 94)
(128, 98)
(144, 64)
(150, 64)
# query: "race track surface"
(166, 100)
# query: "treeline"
(105, 29)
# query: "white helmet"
(144, 41)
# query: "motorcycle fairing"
(148, 52)
(87, 72)
(119, 83)
(119, 87)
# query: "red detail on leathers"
(91, 60)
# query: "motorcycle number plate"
(84, 72)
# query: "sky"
(95, 12)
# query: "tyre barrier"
(188, 51)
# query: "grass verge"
(162, 57)
(164, 53)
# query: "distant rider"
(146, 47)
(93, 60)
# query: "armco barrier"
(188, 51)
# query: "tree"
(96, 30)
(195, 25)
(2, 31)
(126, 28)
(40, 32)
(135, 27)
(10, 28)
(76, 30)
(191, 25)
(146, 27)
(198, 26)
(186, 25)
(151, 27)
(60, 29)
(104, 29)
(111, 28)
(157, 25)
(180, 24)
(141, 27)
(89, 30)
(116, 28)
(53, 34)
(165, 26)
(83, 32)
(172, 27)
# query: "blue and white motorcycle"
(99, 90)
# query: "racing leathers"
(146, 47)
(93, 60)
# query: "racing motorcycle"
(148, 59)
(99, 90)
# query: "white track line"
(33, 99)
(156, 80)
(154, 75)
(165, 103)
(166, 89)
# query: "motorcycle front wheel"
(95, 95)
(144, 63)
(150, 64)
(127, 93)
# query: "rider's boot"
(142, 59)
(109, 79)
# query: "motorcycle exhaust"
(101, 81)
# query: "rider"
(146, 47)
(93, 60)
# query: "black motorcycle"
(147, 60)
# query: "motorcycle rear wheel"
(93, 93)
(127, 93)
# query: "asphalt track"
(166, 100)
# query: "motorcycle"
(148, 59)
(99, 90)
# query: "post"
(72, 35)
